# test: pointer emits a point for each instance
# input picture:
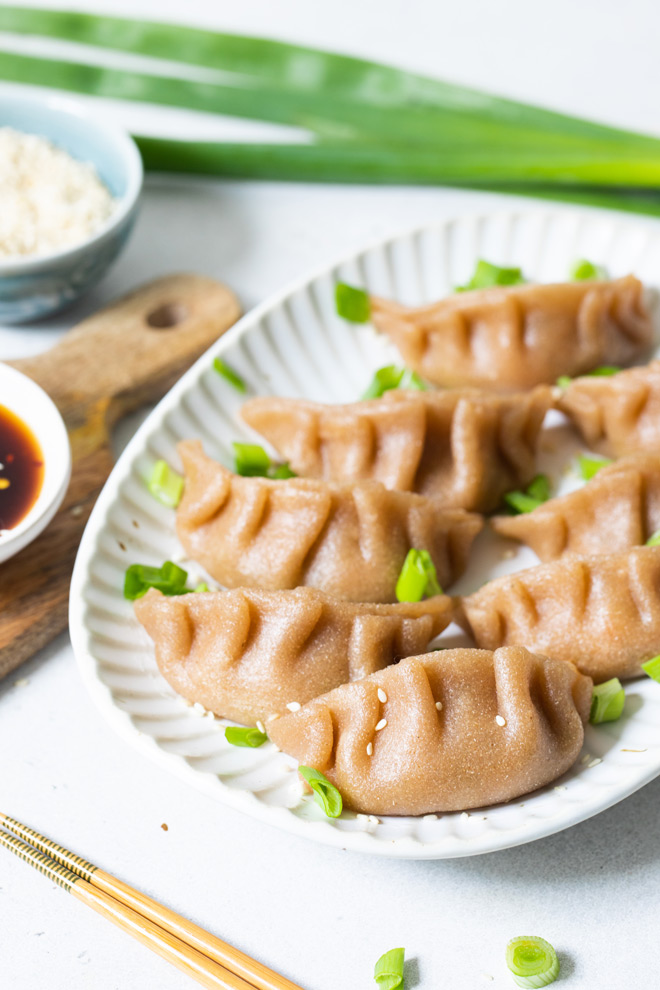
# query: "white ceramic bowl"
(30, 403)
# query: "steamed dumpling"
(348, 540)
(619, 414)
(247, 654)
(618, 508)
(441, 745)
(465, 447)
(518, 336)
(602, 613)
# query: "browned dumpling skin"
(441, 746)
(465, 447)
(602, 613)
(247, 654)
(617, 509)
(518, 336)
(348, 540)
(617, 415)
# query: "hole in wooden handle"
(168, 315)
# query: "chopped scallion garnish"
(585, 271)
(607, 702)
(248, 737)
(487, 275)
(418, 577)
(165, 484)
(252, 461)
(352, 304)
(539, 488)
(537, 492)
(388, 971)
(564, 381)
(652, 668)
(230, 375)
(654, 541)
(533, 961)
(202, 586)
(391, 377)
(604, 371)
(170, 579)
(590, 466)
(325, 794)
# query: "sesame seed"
(76, 511)
(594, 763)
(464, 815)
(370, 749)
(381, 725)
(210, 716)
(294, 706)
(430, 818)
(586, 758)
(362, 818)
(438, 705)
(560, 788)
(260, 726)
(633, 751)
(508, 554)
(22, 682)
(382, 697)
(271, 718)
(373, 820)
(199, 709)
(500, 720)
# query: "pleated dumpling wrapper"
(513, 337)
(248, 654)
(348, 540)
(617, 509)
(616, 414)
(446, 731)
(602, 613)
(464, 446)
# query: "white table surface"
(320, 915)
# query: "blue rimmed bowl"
(34, 287)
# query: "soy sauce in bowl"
(21, 469)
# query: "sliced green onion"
(280, 472)
(252, 461)
(411, 380)
(165, 484)
(607, 702)
(586, 271)
(352, 304)
(232, 376)
(654, 541)
(539, 488)
(418, 577)
(537, 492)
(325, 794)
(202, 586)
(604, 371)
(564, 381)
(388, 971)
(487, 275)
(590, 466)
(533, 961)
(249, 737)
(391, 377)
(652, 668)
(170, 579)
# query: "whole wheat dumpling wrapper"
(617, 414)
(441, 746)
(512, 337)
(466, 447)
(247, 654)
(602, 613)
(617, 509)
(348, 540)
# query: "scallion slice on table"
(325, 794)
(170, 579)
(388, 971)
(418, 577)
(392, 377)
(590, 466)
(252, 461)
(487, 275)
(607, 702)
(652, 668)
(245, 736)
(165, 484)
(352, 304)
(537, 492)
(532, 961)
(230, 375)
(654, 540)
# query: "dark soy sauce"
(21, 469)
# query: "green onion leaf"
(418, 577)
(590, 466)
(607, 702)
(165, 484)
(325, 794)
(564, 381)
(170, 579)
(391, 377)
(352, 304)
(533, 961)
(280, 472)
(604, 371)
(232, 376)
(411, 380)
(539, 488)
(487, 275)
(202, 586)
(654, 541)
(586, 271)
(652, 668)
(537, 492)
(252, 461)
(388, 971)
(249, 737)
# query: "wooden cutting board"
(125, 356)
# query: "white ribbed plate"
(295, 345)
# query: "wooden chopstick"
(172, 936)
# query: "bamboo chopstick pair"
(194, 951)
